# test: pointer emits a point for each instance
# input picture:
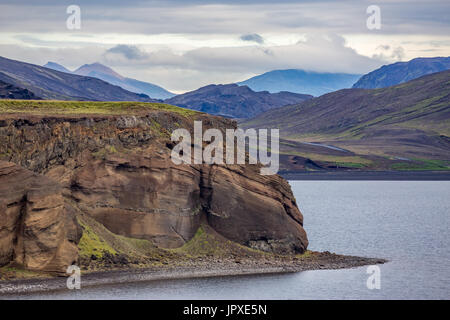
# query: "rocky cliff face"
(118, 170)
(37, 227)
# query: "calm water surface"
(405, 222)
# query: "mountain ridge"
(300, 81)
(400, 72)
(52, 84)
(105, 73)
(398, 127)
(234, 101)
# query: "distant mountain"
(91, 70)
(400, 72)
(9, 91)
(57, 67)
(100, 71)
(300, 81)
(231, 100)
(51, 84)
(401, 127)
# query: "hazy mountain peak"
(400, 72)
(51, 84)
(105, 73)
(300, 81)
(97, 68)
(56, 66)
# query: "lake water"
(406, 222)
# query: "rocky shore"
(204, 267)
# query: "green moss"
(206, 243)
(140, 244)
(350, 165)
(97, 240)
(155, 124)
(307, 254)
(198, 245)
(6, 154)
(101, 154)
(156, 128)
(91, 244)
(10, 272)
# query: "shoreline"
(366, 175)
(203, 269)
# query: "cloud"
(190, 69)
(318, 52)
(398, 53)
(196, 16)
(128, 51)
(384, 47)
(254, 37)
(186, 44)
(198, 67)
(389, 54)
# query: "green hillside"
(403, 127)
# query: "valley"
(404, 127)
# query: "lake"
(406, 222)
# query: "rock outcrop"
(118, 170)
(37, 228)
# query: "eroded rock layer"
(37, 227)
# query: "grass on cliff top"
(87, 107)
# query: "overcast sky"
(182, 45)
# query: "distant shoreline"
(367, 175)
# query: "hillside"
(300, 81)
(233, 101)
(401, 72)
(51, 84)
(402, 127)
(100, 71)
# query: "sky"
(183, 45)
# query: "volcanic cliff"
(111, 162)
